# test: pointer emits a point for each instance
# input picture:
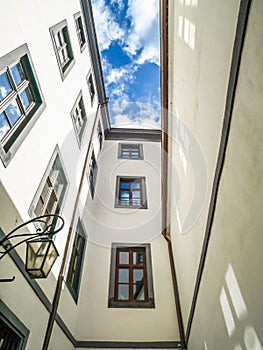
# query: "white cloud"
(143, 34)
(136, 115)
(107, 28)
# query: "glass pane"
(138, 292)
(124, 184)
(57, 40)
(61, 56)
(137, 258)
(5, 86)
(18, 73)
(123, 257)
(50, 205)
(136, 194)
(123, 276)
(4, 126)
(137, 276)
(13, 112)
(125, 194)
(135, 185)
(26, 98)
(136, 202)
(123, 292)
(134, 155)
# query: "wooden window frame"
(64, 47)
(74, 274)
(12, 140)
(132, 148)
(131, 179)
(114, 301)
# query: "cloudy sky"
(128, 37)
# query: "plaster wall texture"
(201, 43)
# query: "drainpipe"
(164, 116)
(67, 251)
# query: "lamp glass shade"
(40, 257)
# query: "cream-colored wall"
(58, 340)
(105, 224)
(199, 63)
(234, 261)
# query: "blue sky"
(128, 38)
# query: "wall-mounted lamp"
(41, 252)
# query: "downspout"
(164, 118)
(62, 271)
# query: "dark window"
(62, 47)
(80, 31)
(79, 117)
(76, 262)
(100, 135)
(91, 87)
(13, 334)
(93, 169)
(130, 151)
(132, 284)
(21, 101)
(131, 192)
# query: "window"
(100, 135)
(13, 334)
(130, 151)
(91, 87)
(21, 100)
(131, 276)
(52, 190)
(80, 31)
(79, 117)
(131, 192)
(76, 261)
(93, 170)
(62, 47)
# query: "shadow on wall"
(231, 299)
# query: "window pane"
(5, 86)
(138, 292)
(123, 257)
(26, 98)
(124, 184)
(123, 292)
(137, 275)
(18, 73)
(13, 112)
(137, 258)
(135, 185)
(136, 194)
(123, 276)
(4, 126)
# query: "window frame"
(93, 172)
(143, 198)
(91, 87)
(11, 321)
(29, 115)
(64, 69)
(44, 180)
(79, 233)
(130, 145)
(80, 133)
(80, 31)
(113, 302)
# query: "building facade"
(212, 122)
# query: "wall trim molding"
(121, 134)
(243, 15)
(129, 345)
